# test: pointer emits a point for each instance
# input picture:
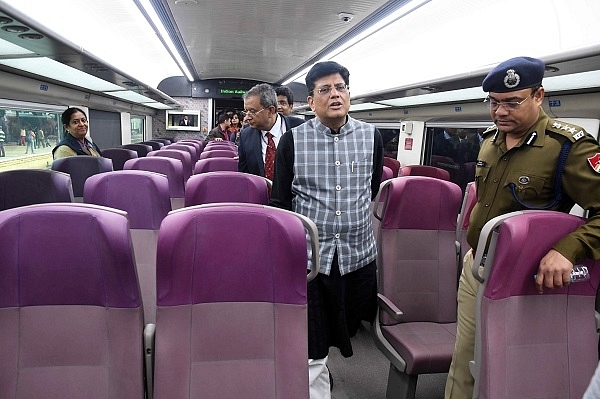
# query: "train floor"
(364, 375)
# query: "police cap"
(514, 74)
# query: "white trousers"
(318, 379)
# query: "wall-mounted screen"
(183, 120)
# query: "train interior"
(416, 67)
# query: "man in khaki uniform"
(518, 167)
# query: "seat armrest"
(149, 335)
(387, 305)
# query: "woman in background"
(74, 143)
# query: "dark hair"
(285, 91)
(322, 69)
(66, 116)
(223, 118)
(265, 94)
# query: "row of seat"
(228, 325)
(526, 343)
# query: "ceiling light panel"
(55, 70)
(8, 49)
(130, 96)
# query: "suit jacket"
(250, 147)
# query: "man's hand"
(554, 271)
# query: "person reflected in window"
(2, 140)
(285, 100)
(75, 122)
(329, 169)
(185, 121)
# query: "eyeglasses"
(251, 112)
(323, 90)
(493, 105)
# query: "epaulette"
(572, 132)
(489, 130)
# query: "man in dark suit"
(185, 121)
(265, 128)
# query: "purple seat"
(469, 201)
(33, 186)
(183, 156)
(220, 145)
(194, 144)
(217, 153)
(163, 141)
(70, 308)
(170, 167)
(417, 269)
(145, 197)
(393, 164)
(211, 187)
(80, 168)
(156, 145)
(231, 326)
(119, 156)
(531, 345)
(387, 173)
(190, 149)
(141, 149)
(216, 164)
(425, 170)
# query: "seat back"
(141, 149)
(33, 186)
(207, 153)
(70, 307)
(417, 272)
(170, 167)
(212, 187)
(190, 149)
(119, 156)
(231, 326)
(393, 164)
(425, 170)
(215, 165)
(417, 250)
(220, 145)
(80, 168)
(387, 174)
(163, 141)
(527, 344)
(469, 201)
(198, 147)
(145, 197)
(183, 156)
(156, 145)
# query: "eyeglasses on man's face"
(251, 112)
(493, 105)
(324, 90)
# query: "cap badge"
(512, 79)
(523, 179)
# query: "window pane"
(138, 131)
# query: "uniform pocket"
(481, 176)
(528, 187)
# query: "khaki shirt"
(530, 165)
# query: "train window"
(138, 128)
(28, 139)
(455, 150)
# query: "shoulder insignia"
(572, 132)
(595, 162)
(491, 129)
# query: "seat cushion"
(426, 347)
